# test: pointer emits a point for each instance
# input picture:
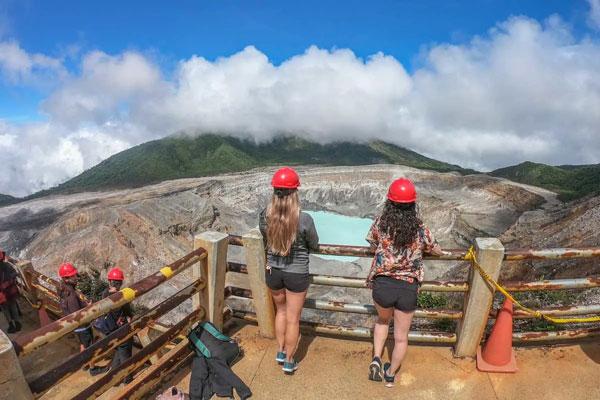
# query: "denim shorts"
(389, 292)
(278, 279)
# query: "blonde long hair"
(283, 215)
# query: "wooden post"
(215, 244)
(478, 300)
(12, 381)
(261, 296)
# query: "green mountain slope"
(184, 156)
(569, 181)
(6, 199)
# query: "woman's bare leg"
(294, 304)
(382, 326)
(402, 321)
(280, 317)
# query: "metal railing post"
(12, 381)
(215, 244)
(478, 300)
(261, 297)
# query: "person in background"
(399, 239)
(119, 318)
(9, 292)
(289, 235)
(70, 302)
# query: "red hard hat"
(285, 178)
(66, 270)
(116, 274)
(402, 190)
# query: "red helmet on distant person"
(285, 178)
(67, 270)
(2, 255)
(116, 274)
(402, 190)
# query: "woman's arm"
(312, 237)
(373, 239)
(262, 226)
(430, 245)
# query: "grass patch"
(429, 300)
(540, 325)
(444, 325)
(550, 298)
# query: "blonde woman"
(289, 236)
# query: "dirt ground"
(332, 368)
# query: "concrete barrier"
(261, 296)
(13, 385)
(215, 244)
(478, 300)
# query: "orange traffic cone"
(497, 354)
(43, 315)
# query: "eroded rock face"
(575, 225)
(143, 229)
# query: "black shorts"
(86, 337)
(389, 292)
(278, 279)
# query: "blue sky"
(170, 31)
(483, 84)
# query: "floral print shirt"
(405, 263)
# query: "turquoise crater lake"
(340, 229)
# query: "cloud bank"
(524, 91)
(594, 15)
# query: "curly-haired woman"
(399, 239)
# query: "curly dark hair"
(401, 222)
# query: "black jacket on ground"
(212, 376)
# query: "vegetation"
(540, 300)
(6, 200)
(431, 300)
(91, 285)
(185, 156)
(548, 298)
(569, 181)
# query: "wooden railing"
(214, 279)
(476, 313)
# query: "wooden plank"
(145, 341)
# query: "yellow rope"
(470, 256)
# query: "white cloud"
(525, 90)
(39, 155)
(105, 89)
(19, 67)
(594, 16)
